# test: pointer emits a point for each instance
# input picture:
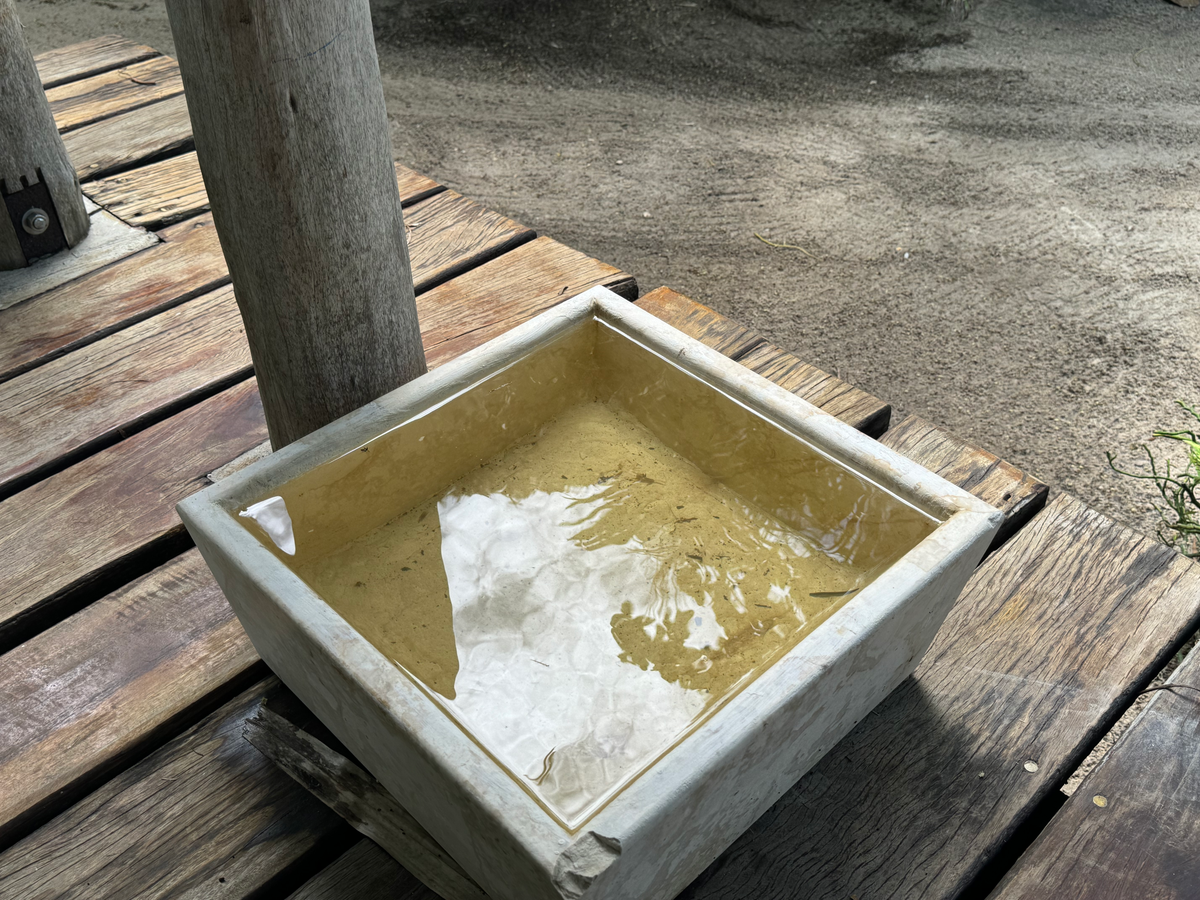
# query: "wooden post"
(293, 141)
(42, 210)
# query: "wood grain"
(108, 240)
(1053, 635)
(89, 58)
(364, 872)
(698, 321)
(66, 408)
(172, 190)
(294, 140)
(1014, 492)
(186, 264)
(88, 694)
(359, 799)
(858, 408)
(117, 90)
(487, 301)
(1142, 843)
(206, 815)
(456, 235)
(82, 531)
(125, 140)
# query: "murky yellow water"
(584, 556)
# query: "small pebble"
(1031, 766)
(1100, 800)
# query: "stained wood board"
(489, 300)
(108, 240)
(1015, 493)
(449, 234)
(1053, 635)
(69, 406)
(856, 407)
(89, 100)
(123, 141)
(91, 692)
(1132, 828)
(83, 531)
(360, 800)
(172, 190)
(206, 815)
(184, 264)
(88, 58)
(364, 872)
(83, 400)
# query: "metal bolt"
(35, 221)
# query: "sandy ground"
(998, 216)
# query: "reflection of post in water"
(392, 589)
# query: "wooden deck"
(125, 679)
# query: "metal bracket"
(34, 218)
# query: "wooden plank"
(125, 140)
(88, 58)
(186, 264)
(358, 798)
(172, 190)
(698, 321)
(108, 240)
(84, 531)
(1049, 642)
(856, 407)
(67, 408)
(454, 235)
(118, 90)
(206, 815)
(1016, 493)
(868, 414)
(517, 286)
(364, 872)
(81, 401)
(88, 694)
(1132, 828)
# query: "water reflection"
(581, 601)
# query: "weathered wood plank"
(517, 286)
(118, 90)
(108, 240)
(364, 872)
(91, 692)
(457, 235)
(88, 58)
(1132, 828)
(868, 414)
(72, 405)
(206, 815)
(1053, 635)
(172, 190)
(78, 533)
(124, 140)
(83, 400)
(186, 264)
(362, 801)
(1014, 492)
(698, 321)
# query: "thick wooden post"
(42, 210)
(292, 135)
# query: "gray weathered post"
(292, 135)
(42, 210)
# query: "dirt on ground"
(990, 222)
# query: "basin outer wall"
(662, 830)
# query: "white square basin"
(590, 598)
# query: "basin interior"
(581, 557)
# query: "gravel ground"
(997, 215)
